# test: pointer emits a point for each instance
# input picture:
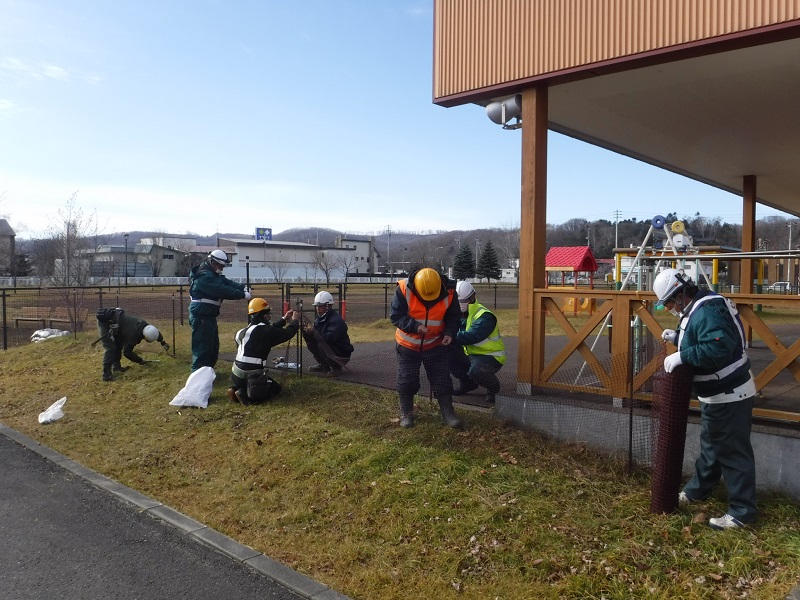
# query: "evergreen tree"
(464, 263)
(489, 264)
(21, 266)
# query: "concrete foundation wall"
(607, 430)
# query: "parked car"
(779, 286)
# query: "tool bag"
(109, 315)
(262, 387)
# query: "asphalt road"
(64, 537)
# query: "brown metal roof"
(715, 109)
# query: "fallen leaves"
(508, 458)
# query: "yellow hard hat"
(428, 283)
(256, 306)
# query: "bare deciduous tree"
(156, 260)
(70, 241)
(276, 262)
(184, 259)
(418, 255)
(507, 245)
(323, 261)
(344, 262)
(72, 235)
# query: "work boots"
(465, 386)
(448, 414)
(118, 368)
(406, 411)
(107, 376)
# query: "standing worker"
(327, 338)
(710, 338)
(479, 352)
(426, 314)
(208, 288)
(254, 344)
(120, 333)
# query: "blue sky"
(222, 116)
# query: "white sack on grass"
(54, 413)
(41, 335)
(197, 389)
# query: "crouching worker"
(120, 333)
(327, 338)
(479, 352)
(250, 383)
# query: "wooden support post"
(533, 226)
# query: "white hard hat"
(219, 257)
(464, 290)
(150, 333)
(668, 283)
(323, 298)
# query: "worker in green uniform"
(208, 288)
(119, 333)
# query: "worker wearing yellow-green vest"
(479, 352)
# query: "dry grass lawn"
(324, 480)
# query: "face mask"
(464, 306)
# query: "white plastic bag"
(54, 413)
(197, 389)
(41, 335)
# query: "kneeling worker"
(479, 351)
(327, 338)
(254, 344)
(119, 333)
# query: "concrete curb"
(280, 573)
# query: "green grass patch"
(324, 480)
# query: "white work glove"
(247, 296)
(669, 335)
(672, 361)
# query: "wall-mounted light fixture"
(502, 111)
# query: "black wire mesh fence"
(571, 407)
(671, 411)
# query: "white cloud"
(94, 78)
(6, 105)
(54, 72)
(19, 67)
(26, 69)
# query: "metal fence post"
(180, 295)
(174, 333)
(5, 323)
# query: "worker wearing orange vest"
(426, 314)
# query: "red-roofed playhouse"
(574, 260)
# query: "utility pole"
(126, 260)
(477, 251)
(388, 238)
(616, 229)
